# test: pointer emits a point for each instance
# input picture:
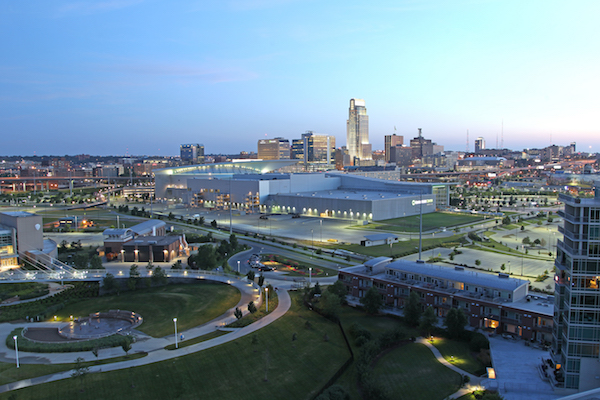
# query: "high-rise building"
(576, 328)
(479, 144)
(318, 148)
(392, 141)
(192, 153)
(274, 149)
(421, 146)
(357, 131)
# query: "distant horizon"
(141, 76)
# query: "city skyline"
(142, 77)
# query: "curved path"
(158, 354)
(474, 380)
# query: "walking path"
(473, 380)
(155, 348)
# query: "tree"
(206, 257)
(522, 228)
(109, 282)
(526, 240)
(80, 371)
(506, 220)
(330, 304)
(477, 262)
(81, 261)
(233, 242)
(134, 277)
(372, 301)
(96, 352)
(96, 262)
(412, 309)
(177, 265)
(455, 323)
(252, 307)
(126, 346)
(250, 275)
(238, 313)
(339, 289)
(158, 276)
(261, 280)
(317, 289)
(214, 223)
(428, 320)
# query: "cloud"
(93, 7)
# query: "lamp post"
(321, 229)
(238, 266)
(312, 243)
(16, 349)
(267, 298)
(309, 276)
(176, 343)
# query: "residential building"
(391, 141)
(357, 131)
(192, 153)
(497, 302)
(274, 149)
(576, 334)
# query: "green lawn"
(430, 221)
(260, 312)
(403, 248)
(195, 340)
(10, 373)
(234, 370)
(192, 304)
(412, 372)
(463, 357)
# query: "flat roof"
(460, 275)
(364, 195)
(18, 213)
(146, 226)
(155, 240)
(380, 236)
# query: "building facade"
(576, 334)
(496, 302)
(357, 131)
(479, 144)
(390, 142)
(274, 149)
(192, 153)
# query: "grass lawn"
(10, 373)
(198, 339)
(412, 372)
(193, 305)
(234, 370)
(430, 221)
(463, 357)
(403, 248)
(260, 312)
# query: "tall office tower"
(318, 148)
(479, 144)
(576, 326)
(421, 146)
(392, 141)
(297, 149)
(192, 153)
(357, 131)
(274, 149)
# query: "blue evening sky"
(143, 76)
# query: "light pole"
(309, 276)
(238, 266)
(509, 267)
(312, 243)
(321, 229)
(267, 298)
(16, 349)
(176, 343)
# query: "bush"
(478, 341)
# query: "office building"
(576, 334)
(479, 144)
(274, 149)
(192, 153)
(357, 131)
(421, 146)
(318, 148)
(391, 141)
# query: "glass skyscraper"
(357, 131)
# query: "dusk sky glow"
(143, 76)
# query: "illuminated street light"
(176, 343)
(267, 297)
(16, 350)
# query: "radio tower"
(502, 136)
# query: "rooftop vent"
(503, 276)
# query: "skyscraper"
(357, 131)
(576, 327)
(192, 153)
(392, 141)
(274, 149)
(479, 144)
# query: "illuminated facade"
(357, 131)
(274, 149)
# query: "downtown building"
(274, 149)
(192, 153)
(357, 131)
(314, 149)
(576, 333)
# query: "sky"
(141, 77)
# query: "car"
(263, 217)
(265, 268)
(295, 215)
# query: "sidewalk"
(159, 354)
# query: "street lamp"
(309, 276)
(321, 229)
(267, 298)
(238, 266)
(16, 350)
(176, 343)
(312, 243)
